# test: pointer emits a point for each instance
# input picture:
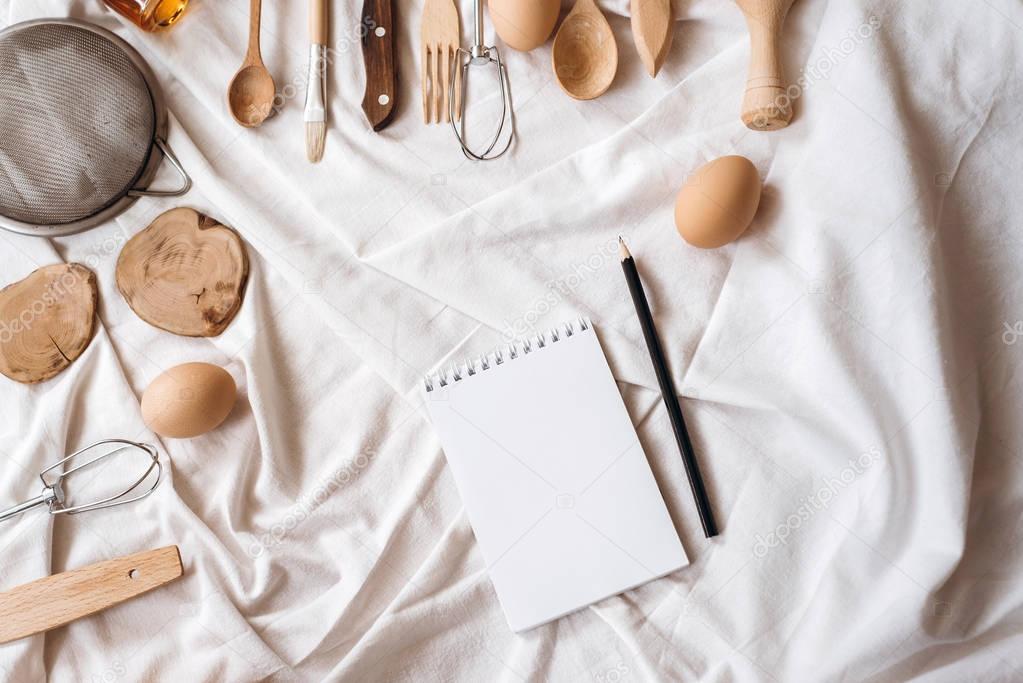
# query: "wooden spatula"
(59, 599)
(652, 30)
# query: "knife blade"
(378, 54)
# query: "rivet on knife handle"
(56, 600)
(378, 53)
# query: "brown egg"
(188, 400)
(718, 202)
(524, 24)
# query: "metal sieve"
(83, 127)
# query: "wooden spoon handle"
(59, 599)
(253, 56)
(765, 105)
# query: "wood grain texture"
(46, 321)
(440, 35)
(251, 92)
(378, 54)
(318, 22)
(252, 53)
(652, 30)
(585, 54)
(765, 105)
(59, 599)
(186, 273)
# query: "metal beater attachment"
(481, 55)
(55, 496)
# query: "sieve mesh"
(77, 123)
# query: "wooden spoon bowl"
(250, 96)
(585, 54)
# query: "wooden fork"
(441, 36)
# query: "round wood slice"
(185, 273)
(46, 321)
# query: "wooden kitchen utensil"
(46, 321)
(251, 93)
(315, 114)
(441, 35)
(585, 54)
(652, 29)
(766, 105)
(378, 55)
(185, 273)
(60, 599)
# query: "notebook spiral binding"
(509, 352)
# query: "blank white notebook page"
(555, 483)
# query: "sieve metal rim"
(158, 148)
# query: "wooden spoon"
(766, 105)
(251, 93)
(585, 54)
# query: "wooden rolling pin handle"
(766, 104)
(318, 22)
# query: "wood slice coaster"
(46, 321)
(185, 273)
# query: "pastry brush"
(316, 94)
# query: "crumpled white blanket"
(850, 367)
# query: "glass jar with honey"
(150, 15)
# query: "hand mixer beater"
(55, 476)
(481, 56)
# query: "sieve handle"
(186, 182)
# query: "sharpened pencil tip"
(623, 250)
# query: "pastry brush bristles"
(315, 139)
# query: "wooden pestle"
(765, 106)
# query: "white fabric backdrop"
(849, 378)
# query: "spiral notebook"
(555, 483)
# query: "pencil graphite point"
(623, 250)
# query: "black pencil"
(667, 385)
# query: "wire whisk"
(55, 496)
(481, 55)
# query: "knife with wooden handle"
(59, 599)
(652, 30)
(378, 53)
